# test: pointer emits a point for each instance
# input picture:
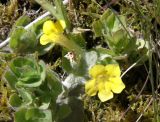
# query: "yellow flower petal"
(105, 95)
(49, 27)
(62, 23)
(117, 85)
(96, 70)
(100, 85)
(60, 26)
(107, 86)
(44, 39)
(90, 87)
(55, 37)
(113, 70)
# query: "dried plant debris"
(12, 10)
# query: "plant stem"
(70, 45)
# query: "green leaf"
(77, 111)
(22, 21)
(118, 41)
(31, 42)
(47, 118)
(22, 40)
(78, 39)
(33, 115)
(10, 77)
(131, 46)
(48, 6)
(98, 28)
(108, 21)
(104, 53)
(63, 111)
(43, 49)
(116, 37)
(119, 23)
(26, 96)
(15, 100)
(59, 12)
(105, 15)
(88, 59)
(45, 101)
(72, 81)
(108, 60)
(91, 58)
(18, 64)
(62, 12)
(20, 115)
(15, 37)
(29, 73)
(33, 81)
(52, 76)
(55, 83)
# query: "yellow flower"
(52, 31)
(105, 80)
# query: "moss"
(5, 110)
(12, 10)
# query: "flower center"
(102, 78)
